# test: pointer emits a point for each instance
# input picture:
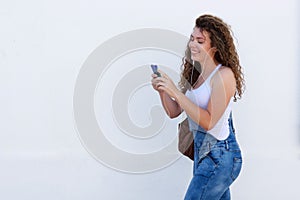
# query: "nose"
(194, 46)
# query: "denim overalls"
(217, 163)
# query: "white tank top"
(201, 96)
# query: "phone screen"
(154, 69)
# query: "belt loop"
(226, 145)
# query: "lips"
(194, 52)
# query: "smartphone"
(154, 69)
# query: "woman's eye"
(200, 42)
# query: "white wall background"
(42, 47)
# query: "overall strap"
(231, 122)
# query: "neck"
(208, 66)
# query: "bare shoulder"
(226, 73)
(225, 76)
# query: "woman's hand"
(155, 82)
(164, 84)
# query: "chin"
(194, 58)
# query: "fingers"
(154, 75)
(156, 82)
(157, 78)
(163, 74)
(160, 83)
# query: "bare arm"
(223, 89)
(171, 107)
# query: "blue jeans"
(216, 165)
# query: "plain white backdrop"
(43, 45)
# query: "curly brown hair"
(221, 37)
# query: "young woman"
(211, 80)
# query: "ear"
(214, 49)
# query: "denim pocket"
(216, 154)
(205, 166)
(237, 166)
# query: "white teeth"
(194, 51)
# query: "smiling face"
(200, 45)
(210, 31)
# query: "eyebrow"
(197, 38)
